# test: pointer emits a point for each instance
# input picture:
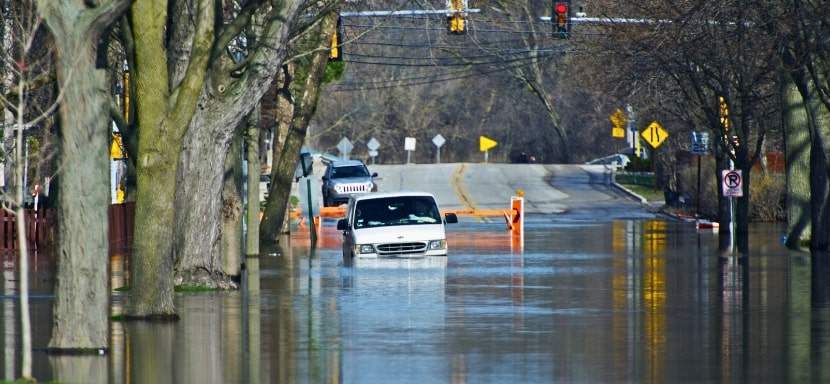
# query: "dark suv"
(345, 178)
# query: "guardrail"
(513, 216)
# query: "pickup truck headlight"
(437, 244)
(365, 248)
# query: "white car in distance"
(400, 225)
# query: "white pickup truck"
(403, 225)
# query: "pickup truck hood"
(399, 234)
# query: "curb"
(630, 193)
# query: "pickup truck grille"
(402, 248)
(352, 188)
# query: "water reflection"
(630, 301)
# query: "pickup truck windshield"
(350, 171)
(401, 210)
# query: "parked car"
(346, 178)
(394, 225)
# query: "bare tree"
(25, 70)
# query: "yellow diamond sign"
(654, 134)
(485, 143)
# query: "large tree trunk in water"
(820, 176)
(306, 94)
(199, 201)
(252, 156)
(162, 115)
(81, 311)
(224, 103)
(797, 151)
(232, 210)
(819, 119)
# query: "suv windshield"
(349, 171)
(403, 210)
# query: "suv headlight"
(437, 244)
(365, 248)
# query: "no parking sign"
(732, 183)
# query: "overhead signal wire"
(402, 27)
(444, 65)
(421, 77)
(430, 81)
(517, 51)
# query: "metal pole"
(408, 156)
(438, 156)
(731, 214)
(697, 200)
(486, 156)
(310, 213)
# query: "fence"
(41, 227)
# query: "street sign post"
(485, 144)
(655, 135)
(373, 146)
(700, 147)
(408, 146)
(439, 141)
(345, 148)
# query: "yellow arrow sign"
(654, 134)
(485, 143)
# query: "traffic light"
(336, 52)
(456, 17)
(561, 18)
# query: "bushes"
(767, 192)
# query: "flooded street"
(644, 301)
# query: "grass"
(118, 318)
(649, 193)
(125, 288)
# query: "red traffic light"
(561, 8)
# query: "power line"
(447, 64)
(431, 81)
(517, 51)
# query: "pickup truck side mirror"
(375, 174)
(342, 225)
(450, 218)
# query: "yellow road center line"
(460, 192)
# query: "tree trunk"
(232, 209)
(819, 119)
(199, 203)
(225, 101)
(81, 310)
(797, 151)
(282, 176)
(252, 146)
(306, 94)
(23, 255)
(820, 180)
(162, 115)
(151, 266)
(82, 299)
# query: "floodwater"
(641, 301)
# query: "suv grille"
(401, 248)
